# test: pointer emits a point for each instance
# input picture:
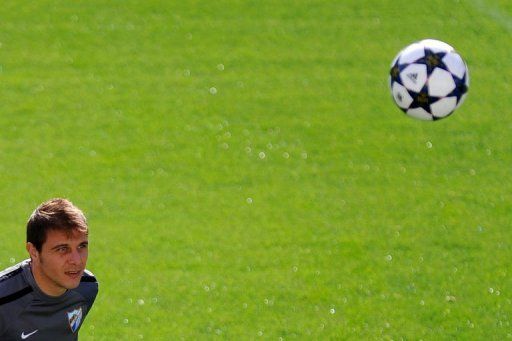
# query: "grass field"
(246, 174)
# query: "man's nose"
(75, 257)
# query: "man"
(48, 296)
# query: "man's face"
(60, 264)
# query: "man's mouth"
(73, 274)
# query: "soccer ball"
(429, 80)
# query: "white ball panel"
(455, 64)
(411, 53)
(420, 114)
(444, 106)
(401, 96)
(440, 83)
(414, 76)
(462, 99)
(436, 45)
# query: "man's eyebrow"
(67, 245)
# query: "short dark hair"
(54, 214)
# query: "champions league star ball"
(429, 80)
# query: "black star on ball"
(432, 60)
(422, 99)
(460, 87)
(395, 72)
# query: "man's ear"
(32, 251)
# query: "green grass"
(247, 175)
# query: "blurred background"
(246, 173)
